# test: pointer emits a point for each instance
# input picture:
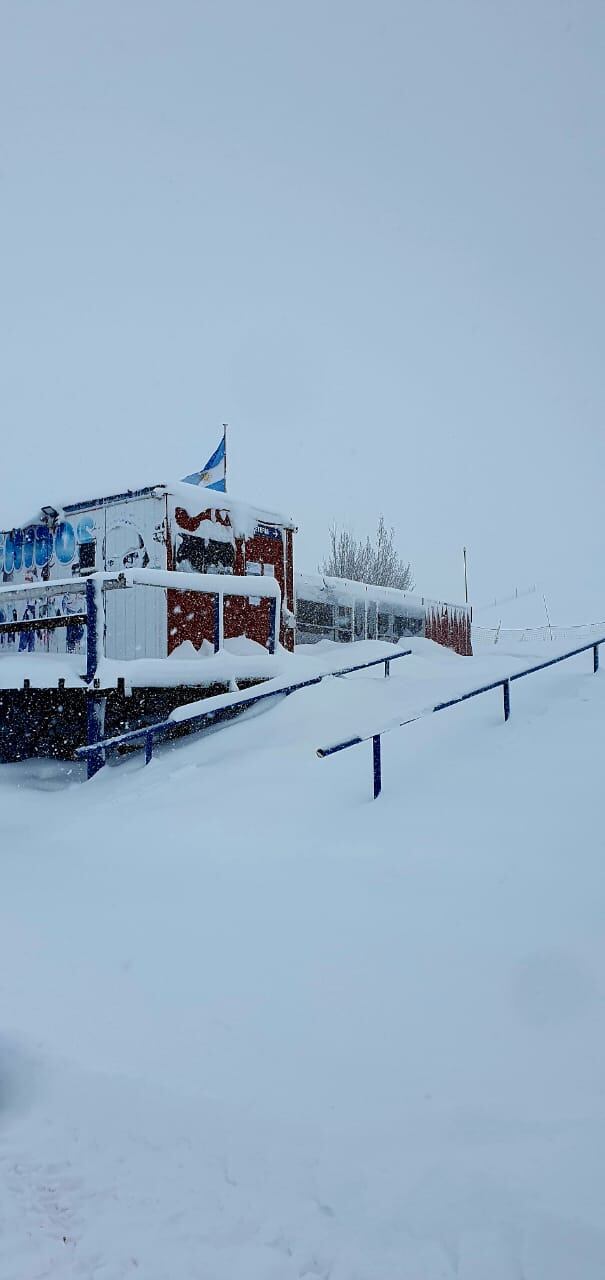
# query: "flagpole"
(225, 425)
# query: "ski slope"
(256, 1026)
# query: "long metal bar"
(375, 662)
(518, 675)
(504, 682)
(62, 586)
(173, 580)
(43, 624)
(341, 746)
(162, 727)
(473, 693)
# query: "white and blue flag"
(213, 475)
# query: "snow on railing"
(90, 621)
(190, 718)
(67, 597)
(88, 617)
(504, 683)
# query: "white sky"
(367, 235)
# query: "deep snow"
(258, 1027)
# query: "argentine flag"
(213, 475)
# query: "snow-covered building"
(172, 526)
(118, 610)
(342, 610)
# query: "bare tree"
(377, 562)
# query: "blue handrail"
(504, 682)
(95, 751)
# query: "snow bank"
(258, 1027)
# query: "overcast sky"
(367, 235)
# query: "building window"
(88, 555)
(198, 555)
(384, 623)
(260, 569)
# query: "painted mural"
(28, 554)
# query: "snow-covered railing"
(504, 683)
(92, 592)
(216, 585)
(72, 614)
(191, 719)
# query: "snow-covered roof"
(196, 499)
(193, 498)
(319, 587)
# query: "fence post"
(595, 658)
(217, 622)
(148, 747)
(377, 765)
(387, 667)
(272, 625)
(506, 691)
(95, 727)
(92, 631)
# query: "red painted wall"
(191, 616)
(446, 625)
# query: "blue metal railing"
(504, 683)
(91, 619)
(149, 734)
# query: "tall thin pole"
(547, 616)
(465, 577)
(225, 425)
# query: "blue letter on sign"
(42, 545)
(65, 542)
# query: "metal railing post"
(148, 747)
(95, 727)
(506, 692)
(92, 635)
(217, 622)
(387, 666)
(272, 625)
(501, 682)
(202, 719)
(376, 762)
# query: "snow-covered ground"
(256, 1026)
